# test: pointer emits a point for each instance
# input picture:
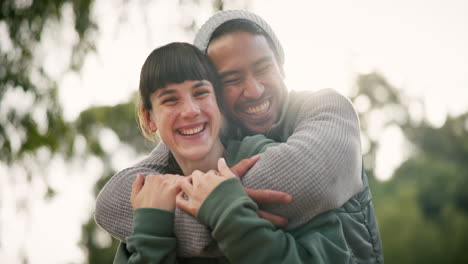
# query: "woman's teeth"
(258, 109)
(192, 131)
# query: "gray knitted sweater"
(318, 163)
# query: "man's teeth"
(258, 109)
(187, 132)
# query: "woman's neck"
(208, 162)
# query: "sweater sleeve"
(150, 243)
(319, 164)
(113, 210)
(246, 238)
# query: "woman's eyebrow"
(201, 83)
(171, 91)
(165, 92)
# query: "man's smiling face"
(253, 83)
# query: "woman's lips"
(192, 130)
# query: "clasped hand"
(199, 185)
(188, 193)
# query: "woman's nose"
(191, 109)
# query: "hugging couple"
(245, 171)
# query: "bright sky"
(418, 45)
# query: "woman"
(178, 102)
(177, 89)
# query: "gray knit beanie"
(204, 34)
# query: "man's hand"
(261, 195)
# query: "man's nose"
(190, 109)
(253, 88)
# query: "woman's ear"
(148, 121)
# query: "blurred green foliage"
(423, 209)
(40, 124)
(28, 128)
(24, 24)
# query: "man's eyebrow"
(223, 75)
(262, 60)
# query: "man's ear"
(281, 70)
(148, 121)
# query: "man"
(320, 154)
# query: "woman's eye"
(199, 93)
(169, 100)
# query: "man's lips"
(192, 129)
(258, 107)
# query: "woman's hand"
(199, 185)
(156, 191)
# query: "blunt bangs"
(174, 63)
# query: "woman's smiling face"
(187, 118)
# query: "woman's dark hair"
(176, 62)
(243, 25)
(173, 63)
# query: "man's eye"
(263, 70)
(232, 81)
